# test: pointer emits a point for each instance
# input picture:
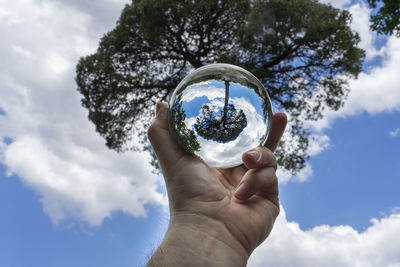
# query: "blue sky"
(28, 237)
(65, 200)
(354, 180)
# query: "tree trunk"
(226, 100)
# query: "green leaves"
(301, 50)
(387, 19)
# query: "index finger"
(279, 122)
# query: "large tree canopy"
(387, 18)
(301, 50)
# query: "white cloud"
(302, 176)
(377, 90)
(55, 150)
(318, 143)
(21, 51)
(395, 133)
(324, 245)
(336, 3)
(202, 90)
(80, 183)
(360, 24)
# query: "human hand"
(230, 210)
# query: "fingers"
(279, 122)
(165, 147)
(255, 158)
(259, 157)
(260, 179)
(262, 182)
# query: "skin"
(218, 216)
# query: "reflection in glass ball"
(218, 112)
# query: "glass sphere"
(218, 112)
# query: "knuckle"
(152, 131)
(269, 158)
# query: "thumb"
(164, 145)
(279, 122)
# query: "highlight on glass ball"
(218, 112)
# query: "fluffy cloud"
(336, 3)
(324, 245)
(302, 176)
(360, 23)
(54, 149)
(375, 90)
(317, 144)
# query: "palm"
(209, 192)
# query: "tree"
(302, 51)
(387, 19)
(222, 126)
(186, 137)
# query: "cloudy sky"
(66, 200)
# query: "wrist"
(197, 240)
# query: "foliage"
(186, 137)
(387, 19)
(301, 50)
(222, 126)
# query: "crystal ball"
(218, 112)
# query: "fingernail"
(241, 191)
(255, 154)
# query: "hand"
(232, 210)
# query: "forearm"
(192, 240)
